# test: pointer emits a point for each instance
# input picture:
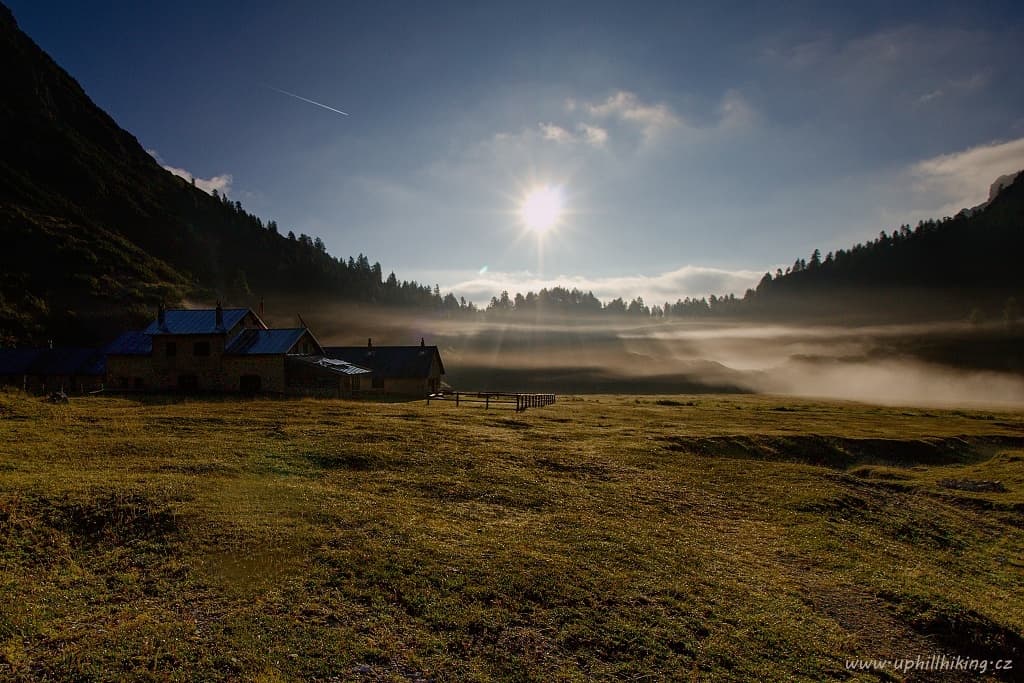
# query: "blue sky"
(697, 145)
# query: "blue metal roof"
(130, 344)
(254, 342)
(196, 321)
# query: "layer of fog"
(876, 364)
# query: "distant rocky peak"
(1001, 183)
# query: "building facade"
(232, 350)
(221, 350)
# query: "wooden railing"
(500, 399)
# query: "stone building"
(233, 350)
(224, 350)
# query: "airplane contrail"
(304, 99)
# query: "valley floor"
(640, 538)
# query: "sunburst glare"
(542, 208)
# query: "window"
(201, 348)
(171, 350)
(378, 381)
(139, 384)
(355, 384)
(188, 383)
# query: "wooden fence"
(519, 402)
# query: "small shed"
(398, 370)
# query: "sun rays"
(542, 208)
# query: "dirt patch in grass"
(890, 626)
(959, 631)
(254, 566)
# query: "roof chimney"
(423, 343)
(261, 306)
(219, 315)
(161, 314)
(369, 342)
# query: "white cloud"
(624, 118)
(652, 119)
(962, 179)
(692, 281)
(586, 133)
(593, 135)
(556, 133)
(221, 183)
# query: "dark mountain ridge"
(97, 232)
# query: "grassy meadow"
(605, 537)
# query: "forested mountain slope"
(96, 232)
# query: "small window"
(139, 384)
(171, 350)
(378, 381)
(201, 348)
(188, 383)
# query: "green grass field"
(649, 538)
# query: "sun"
(542, 208)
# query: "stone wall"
(269, 368)
(168, 370)
(130, 373)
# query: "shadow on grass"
(842, 452)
